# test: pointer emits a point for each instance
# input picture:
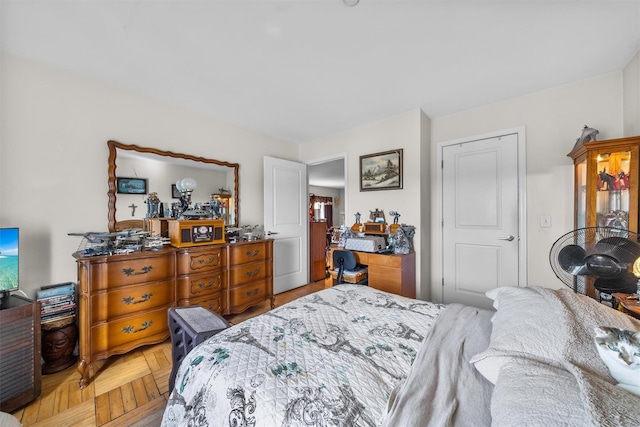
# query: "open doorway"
(327, 201)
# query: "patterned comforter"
(329, 358)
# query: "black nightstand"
(189, 326)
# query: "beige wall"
(424, 289)
(53, 158)
(553, 120)
(631, 96)
(399, 131)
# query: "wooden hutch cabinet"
(318, 250)
(123, 299)
(606, 183)
(606, 177)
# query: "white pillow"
(529, 393)
(526, 324)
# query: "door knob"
(509, 238)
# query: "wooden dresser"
(202, 277)
(123, 299)
(250, 275)
(123, 302)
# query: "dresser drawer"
(132, 299)
(245, 273)
(121, 335)
(391, 261)
(248, 294)
(213, 302)
(252, 252)
(200, 284)
(390, 283)
(199, 260)
(130, 271)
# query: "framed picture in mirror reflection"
(131, 185)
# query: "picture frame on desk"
(381, 171)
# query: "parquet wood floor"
(127, 390)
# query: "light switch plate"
(545, 221)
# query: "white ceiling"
(303, 69)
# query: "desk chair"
(345, 260)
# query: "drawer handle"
(255, 292)
(130, 329)
(206, 285)
(254, 253)
(250, 274)
(209, 261)
(131, 271)
(131, 300)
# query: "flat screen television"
(9, 262)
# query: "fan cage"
(588, 238)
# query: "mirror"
(134, 172)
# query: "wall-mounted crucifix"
(133, 209)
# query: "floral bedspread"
(329, 358)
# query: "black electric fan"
(605, 253)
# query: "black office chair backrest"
(343, 260)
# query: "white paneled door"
(286, 218)
(480, 218)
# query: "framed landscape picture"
(131, 185)
(381, 171)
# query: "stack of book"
(57, 302)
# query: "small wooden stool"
(190, 326)
(59, 340)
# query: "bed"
(351, 355)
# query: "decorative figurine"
(153, 205)
(623, 180)
(395, 215)
(588, 134)
(401, 243)
(609, 180)
(409, 231)
(376, 216)
(214, 207)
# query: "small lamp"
(636, 272)
(186, 186)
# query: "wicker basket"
(351, 276)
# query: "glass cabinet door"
(612, 195)
(581, 194)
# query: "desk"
(627, 306)
(388, 272)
